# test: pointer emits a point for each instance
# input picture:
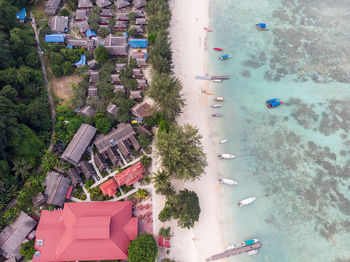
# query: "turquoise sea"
(295, 158)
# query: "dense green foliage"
(103, 32)
(160, 54)
(183, 206)
(143, 249)
(24, 112)
(182, 152)
(162, 183)
(164, 232)
(27, 250)
(165, 90)
(101, 54)
(94, 18)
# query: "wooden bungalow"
(135, 94)
(135, 144)
(74, 176)
(59, 24)
(135, 55)
(57, 187)
(106, 12)
(122, 4)
(85, 4)
(139, 3)
(143, 130)
(92, 91)
(112, 109)
(124, 149)
(131, 175)
(78, 42)
(92, 63)
(104, 20)
(141, 83)
(139, 14)
(123, 17)
(119, 88)
(137, 73)
(87, 111)
(141, 21)
(120, 25)
(100, 162)
(114, 156)
(115, 79)
(87, 169)
(52, 6)
(39, 199)
(141, 110)
(93, 76)
(103, 3)
(138, 29)
(141, 62)
(82, 26)
(119, 67)
(77, 146)
(116, 45)
(81, 14)
(14, 234)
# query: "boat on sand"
(223, 141)
(227, 181)
(217, 115)
(207, 92)
(219, 99)
(208, 29)
(217, 80)
(226, 156)
(216, 106)
(218, 49)
(246, 201)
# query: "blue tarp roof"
(70, 46)
(90, 33)
(82, 61)
(136, 43)
(54, 38)
(21, 15)
(125, 34)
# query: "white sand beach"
(189, 57)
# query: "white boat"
(230, 247)
(252, 252)
(226, 156)
(216, 106)
(217, 80)
(227, 181)
(246, 201)
(219, 99)
(223, 141)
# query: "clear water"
(294, 158)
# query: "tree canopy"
(181, 151)
(143, 249)
(101, 54)
(184, 207)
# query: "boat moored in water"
(217, 80)
(227, 181)
(219, 99)
(218, 49)
(208, 29)
(249, 242)
(262, 26)
(274, 104)
(224, 57)
(252, 252)
(216, 106)
(217, 115)
(226, 156)
(223, 141)
(246, 201)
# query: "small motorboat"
(272, 100)
(218, 49)
(262, 26)
(252, 252)
(208, 29)
(207, 92)
(246, 201)
(274, 104)
(217, 80)
(249, 242)
(226, 156)
(217, 115)
(216, 106)
(219, 99)
(223, 141)
(224, 57)
(227, 181)
(230, 247)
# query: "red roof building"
(86, 231)
(109, 187)
(131, 175)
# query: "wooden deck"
(235, 251)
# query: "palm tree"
(164, 232)
(162, 183)
(21, 168)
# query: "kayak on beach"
(218, 49)
(208, 29)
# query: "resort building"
(116, 45)
(82, 26)
(103, 3)
(139, 3)
(141, 110)
(138, 43)
(74, 176)
(135, 94)
(112, 109)
(141, 83)
(106, 13)
(86, 231)
(141, 21)
(136, 73)
(100, 162)
(87, 111)
(122, 4)
(119, 88)
(59, 24)
(81, 15)
(87, 169)
(79, 144)
(52, 6)
(115, 79)
(84, 4)
(57, 187)
(109, 187)
(119, 67)
(79, 42)
(14, 234)
(92, 91)
(130, 175)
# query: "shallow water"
(294, 158)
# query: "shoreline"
(189, 46)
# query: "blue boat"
(250, 242)
(262, 26)
(272, 100)
(274, 104)
(224, 57)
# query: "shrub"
(144, 248)
(64, 12)
(27, 250)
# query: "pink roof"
(131, 175)
(69, 192)
(109, 187)
(86, 231)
